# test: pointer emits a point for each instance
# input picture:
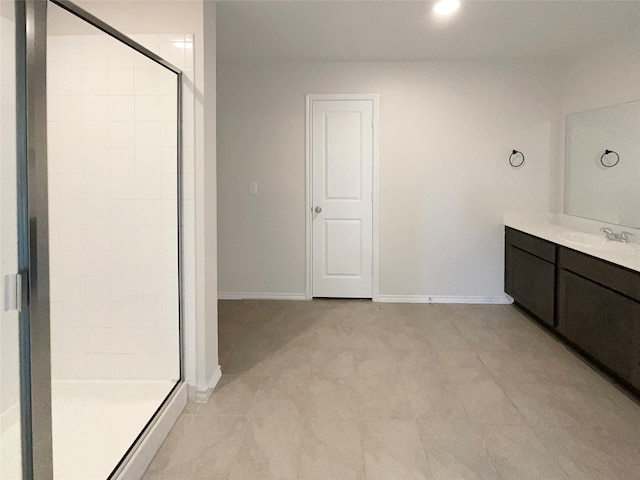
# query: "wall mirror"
(602, 164)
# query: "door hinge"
(13, 292)
(371, 122)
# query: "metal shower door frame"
(33, 229)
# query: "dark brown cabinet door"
(603, 323)
(531, 282)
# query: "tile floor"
(346, 390)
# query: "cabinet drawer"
(603, 323)
(599, 271)
(531, 282)
(533, 245)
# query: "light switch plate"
(253, 188)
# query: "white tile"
(148, 186)
(125, 340)
(96, 160)
(99, 340)
(100, 366)
(147, 80)
(169, 239)
(69, 212)
(68, 366)
(169, 186)
(149, 160)
(95, 56)
(68, 340)
(95, 108)
(158, 367)
(148, 108)
(123, 187)
(66, 186)
(123, 212)
(169, 132)
(68, 288)
(147, 314)
(124, 264)
(65, 134)
(149, 134)
(70, 56)
(120, 56)
(95, 82)
(122, 160)
(66, 159)
(124, 315)
(67, 263)
(99, 314)
(121, 108)
(149, 263)
(94, 134)
(170, 212)
(124, 289)
(65, 109)
(98, 212)
(66, 314)
(97, 187)
(149, 287)
(70, 82)
(97, 264)
(148, 212)
(123, 238)
(149, 238)
(125, 366)
(121, 82)
(168, 109)
(149, 340)
(98, 237)
(122, 134)
(67, 238)
(98, 288)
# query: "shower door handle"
(12, 298)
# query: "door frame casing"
(310, 98)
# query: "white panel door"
(342, 198)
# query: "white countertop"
(560, 229)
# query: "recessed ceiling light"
(446, 7)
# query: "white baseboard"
(499, 299)
(139, 460)
(260, 296)
(202, 395)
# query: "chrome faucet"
(616, 237)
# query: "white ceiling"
(299, 31)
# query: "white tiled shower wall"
(113, 206)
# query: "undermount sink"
(597, 242)
(592, 240)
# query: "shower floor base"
(94, 424)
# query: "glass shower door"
(10, 427)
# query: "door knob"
(318, 209)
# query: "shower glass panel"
(113, 226)
(10, 428)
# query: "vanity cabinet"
(592, 304)
(599, 312)
(530, 273)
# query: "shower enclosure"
(90, 241)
